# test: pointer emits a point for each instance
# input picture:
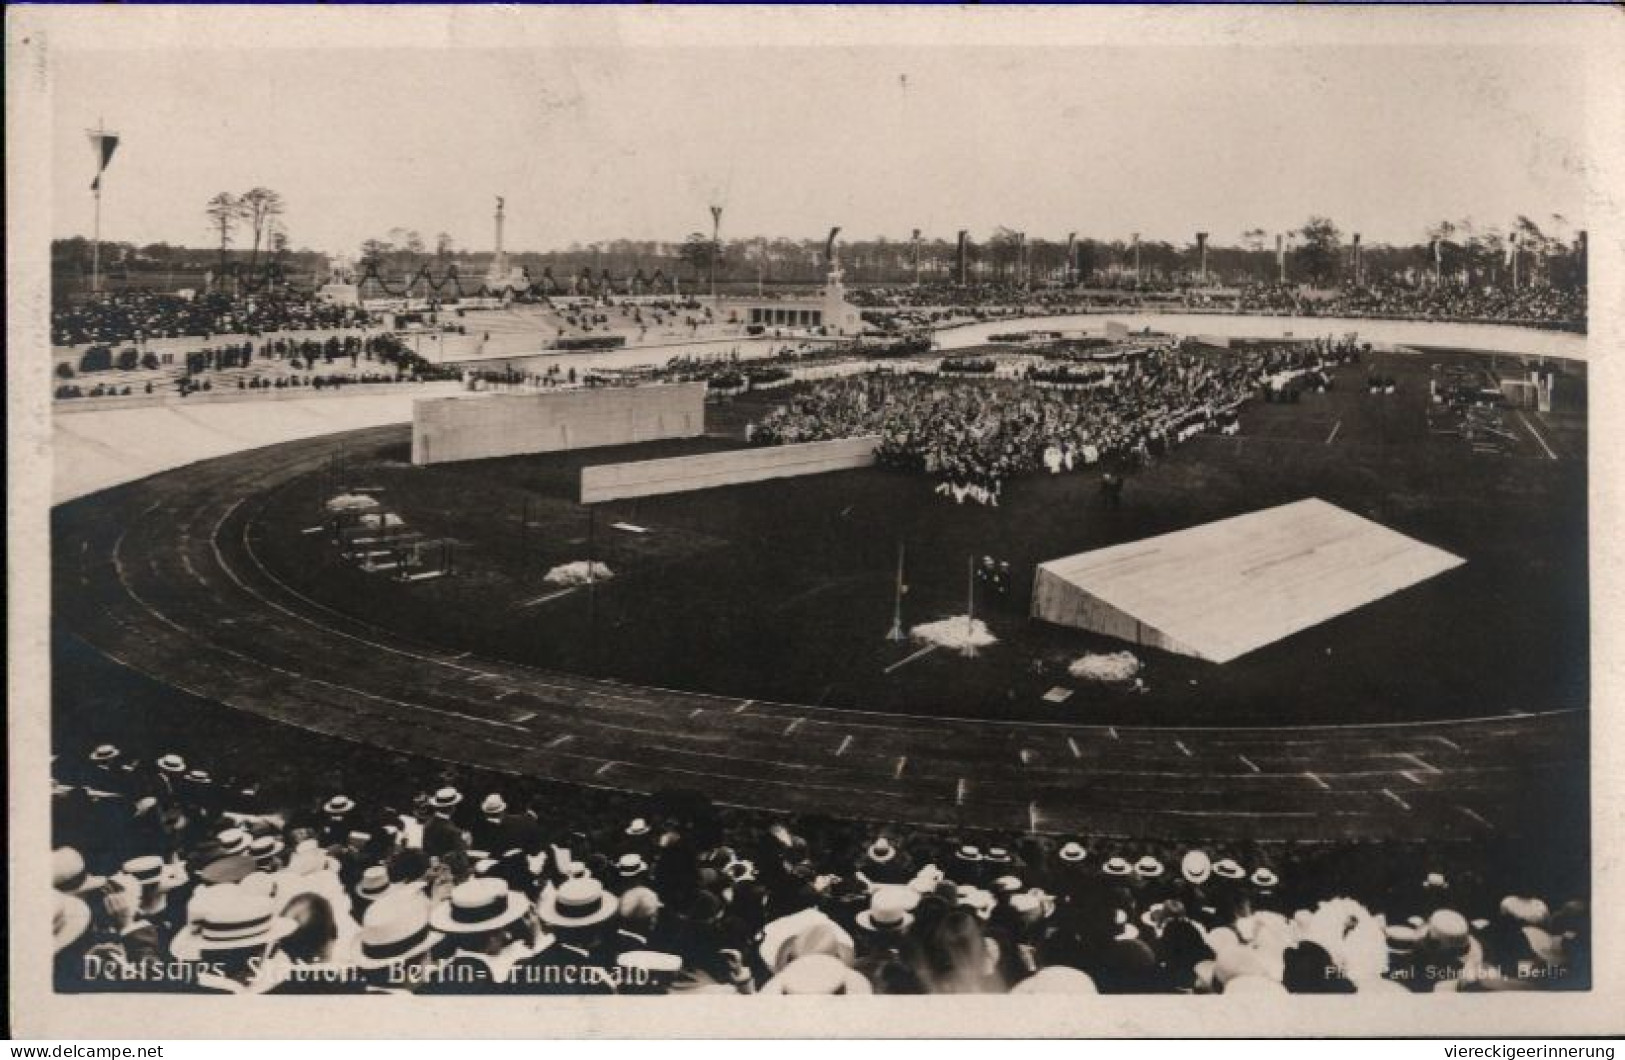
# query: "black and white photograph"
(712, 504)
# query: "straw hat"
(446, 799)
(393, 930)
(104, 754)
(494, 806)
(338, 806)
(233, 841)
(70, 921)
(150, 871)
(1148, 868)
(373, 883)
(1073, 853)
(890, 910)
(1196, 866)
(228, 917)
(1056, 979)
(68, 872)
(881, 851)
(638, 827)
(817, 974)
(172, 763)
(630, 865)
(578, 903)
(477, 906)
(1116, 866)
(1265, 879)
(1228, 869)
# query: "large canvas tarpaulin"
(1220, 590)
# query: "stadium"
(933, 616)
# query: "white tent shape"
(1222, 589)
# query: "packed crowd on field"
(973, 432)
(171, 878)
(136, 316)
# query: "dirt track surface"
(162, 575)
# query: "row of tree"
(1318, 252)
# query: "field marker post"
(896, 632)
(970, 605)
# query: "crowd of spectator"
(973, 432)
(171, 878)
(136, 316)
(279, 364)
(1543, 306)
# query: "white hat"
(265, 847)
(68, 872)
(446, 798)
(1056, 979)
(638, 827)
(818, 974)
(1196, 866)
(1264, 878)
(477, 906)
(338, 806)
(1227, 869)
(229, 917)
(373, 883)
(105, 753)
(1116, 866)
(233, 841)
(1148, 868)
(150, 871)
(394, 929)
(978, 901)
(881, 851)
(651, 961)
(890, 910)
(1072, 853)
(1446, 927)
(1526, 910)
(578, 903)
(494, 805)
(631, 865)
(172, 763)
(70, 921)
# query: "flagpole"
(96, 236)
(96, 244)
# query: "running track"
(162, 576)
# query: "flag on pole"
(829, 244)
(104, 143)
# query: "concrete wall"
(649, 478)
(490, 425)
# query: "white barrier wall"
(650, 478)
(490, 425)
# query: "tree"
(697, 253)
(443, 245)
(259, 207)
(1253, 239)
(224, 211)
(1319, 255)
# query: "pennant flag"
(829, 244)
(104, 144)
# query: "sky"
(599, 144)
